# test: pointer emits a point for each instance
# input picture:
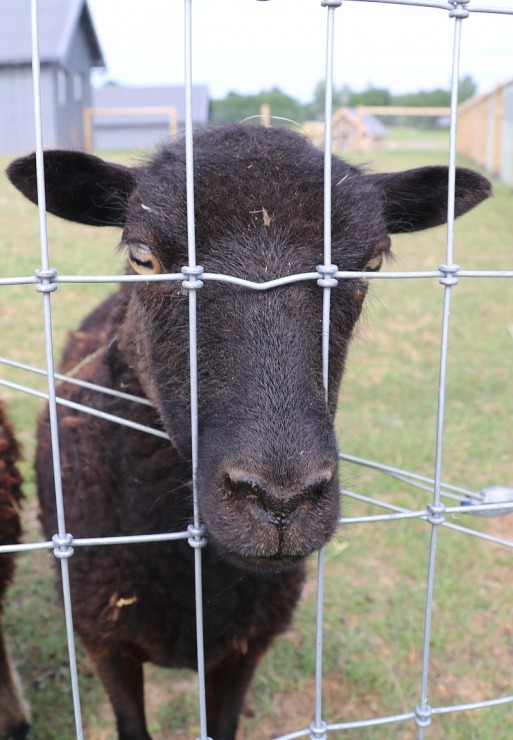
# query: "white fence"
(47, 278)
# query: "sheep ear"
(417, 199)
(79, 187)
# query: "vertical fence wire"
(46, 286)
(197, 541)
(327, 282)
(436, 509)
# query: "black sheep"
(267, 474)
(14, 713)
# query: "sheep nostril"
(279, 506)
(241, 489)
(316, 488)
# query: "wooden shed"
(355, 131)
(69, 48)
(352, 130)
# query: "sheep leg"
(14, 711)
(225, 688)
(122, 676)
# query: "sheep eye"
(143, 260)
(374, 264)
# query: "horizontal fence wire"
(267, 285)
(435, 513)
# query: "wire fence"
(46, 279)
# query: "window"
(62, 85)
(78, 86)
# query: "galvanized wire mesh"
(46, 280)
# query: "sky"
(247, 46)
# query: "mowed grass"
(375, 574)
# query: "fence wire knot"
(46, 280)
(192, 274)
(197, 536)
(63, 547)
(448, 274)
(327, 276)
(423, 715)
(318, 731)
(436, 513)
(459, 11)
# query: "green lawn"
(399, 137)
(375, 582)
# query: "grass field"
(375, 582)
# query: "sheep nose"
(277, 503)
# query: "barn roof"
(121, 96)
(58, 24)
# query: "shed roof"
(372, 125)
(58, 23)
(121, 96)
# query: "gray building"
(141, 117)
(68, 48)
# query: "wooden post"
(483, 133)
(173, 121)
(497, 130)
(88, 129)
(265, 114)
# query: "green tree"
(237, 107)
(424, 98)
(370, 96)
(314, 111)
(467, 88)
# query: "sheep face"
(267, 474)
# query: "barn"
(126, 117)
(69, 49)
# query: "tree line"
(236, 107)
